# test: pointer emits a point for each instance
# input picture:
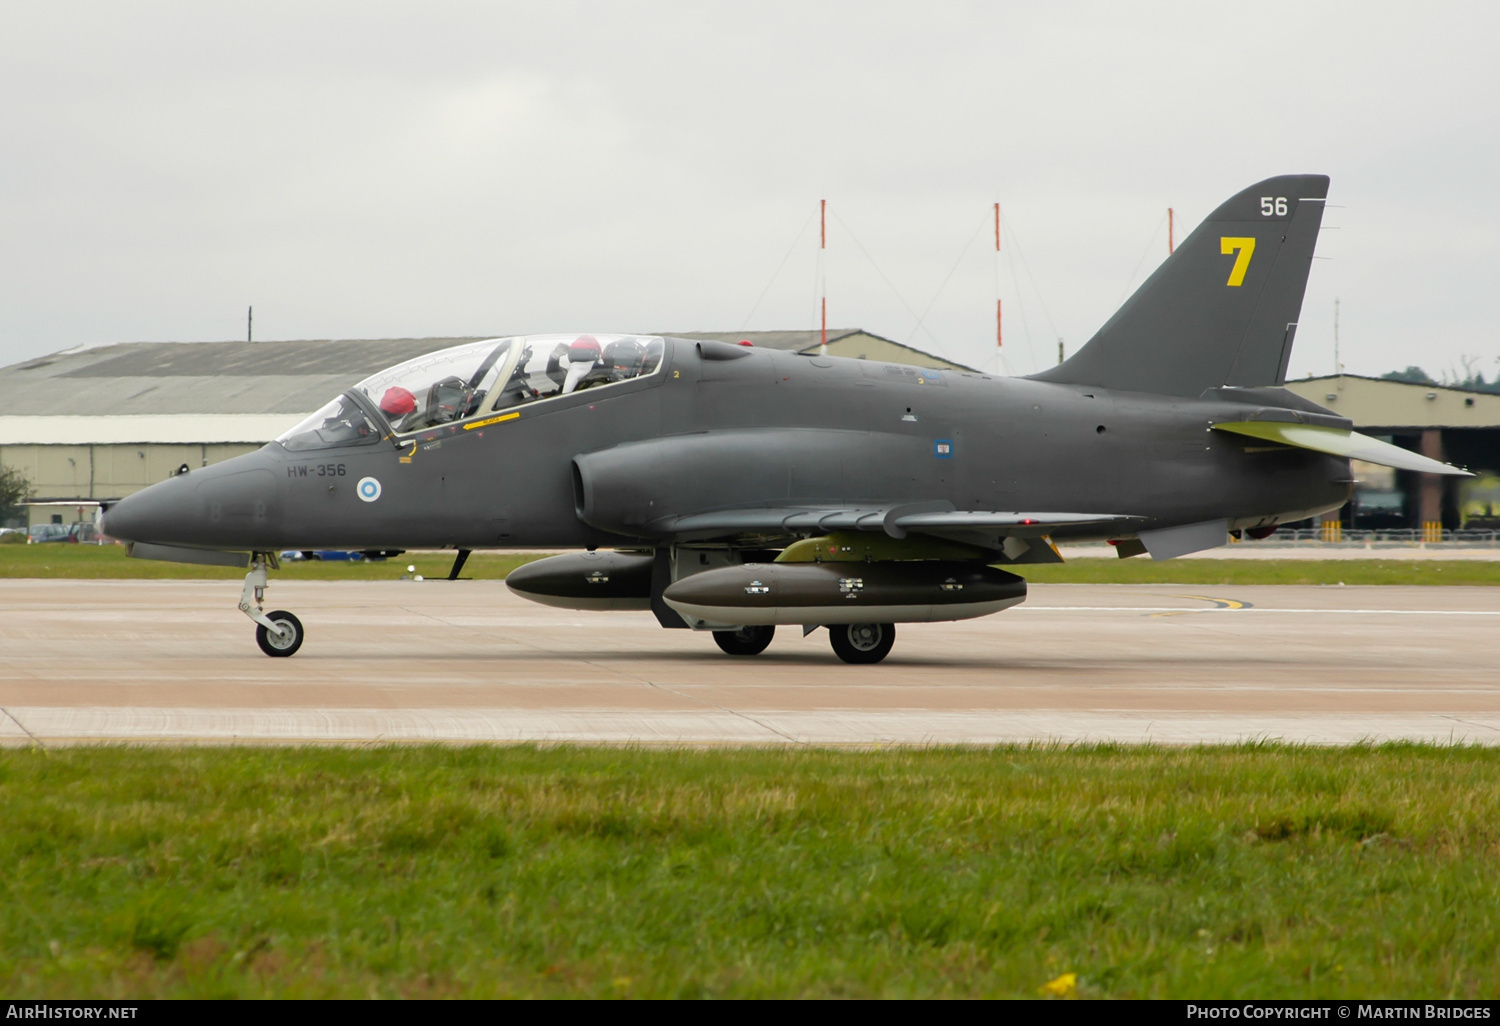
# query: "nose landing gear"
(283, 641)
(278, 633)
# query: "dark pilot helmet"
(624, 358)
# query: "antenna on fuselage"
(250, 324)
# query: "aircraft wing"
(895, 520)
(1340, 442)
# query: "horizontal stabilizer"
(1339, 442)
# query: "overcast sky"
(384, 170)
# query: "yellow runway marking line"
(1217, 604)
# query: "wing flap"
(1022, 524)
(1340, 442)
(896, 521)
(782, 519)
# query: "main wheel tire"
(747, 641)
(283, 644)
(862, 642)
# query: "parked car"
(329, 556)
(69, 533)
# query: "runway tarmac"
(95, 661)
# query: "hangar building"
(1456, 425)
(101, 423)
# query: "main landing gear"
(859, 643)
(746, 641)
(862, 642)
(278, 633)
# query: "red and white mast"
(999, 334)
(822, 245)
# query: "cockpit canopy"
(474, 380)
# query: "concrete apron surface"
(466, 661)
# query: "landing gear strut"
(746, 641)
(862, 642)
(278, 633)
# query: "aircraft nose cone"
(151, 515)
(231, 505)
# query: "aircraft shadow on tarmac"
(820, 657)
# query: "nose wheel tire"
(862, 642)
(747, 641)
(285, 643)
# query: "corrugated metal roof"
(242, 359)
(201, 377)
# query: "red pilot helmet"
(397, 402)
(585, 349)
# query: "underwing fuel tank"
(586, 580)
(911, 591)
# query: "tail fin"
(1222, 309)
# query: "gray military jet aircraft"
(733, 490)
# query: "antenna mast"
(822, 245)
(999, 337)
(250, 324)
(1338, 366)
(1171, 243)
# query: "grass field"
(1255, 871)
(110, 561)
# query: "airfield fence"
(1385, 537)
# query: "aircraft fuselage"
(756, 428)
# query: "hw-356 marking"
(734, 490)
(316, 470)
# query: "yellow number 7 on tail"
(1243, 247)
